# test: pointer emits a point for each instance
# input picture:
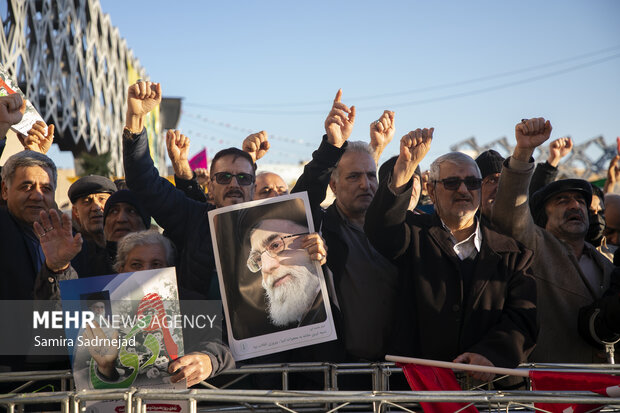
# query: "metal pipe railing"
(292, 397)
(378, 398)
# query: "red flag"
(199, 160)
(603, 384)
(425, 378)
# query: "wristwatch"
(129, 134)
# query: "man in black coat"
(362, 283)
(185, 220)
(470, 297)
(28, 186)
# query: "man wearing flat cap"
(88, 196)
(570, 273)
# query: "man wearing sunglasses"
(468, 297)
(185, 220)
(231, 179)
(570, 273)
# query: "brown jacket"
(562, 286)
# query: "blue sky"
(283, 62)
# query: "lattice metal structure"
(588, 160)
(75, 68)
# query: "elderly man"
(470, 298)
(283, 250)
(98, 308)
(122, 215)
(185, 220)
(67, 257)
(569, 272)
(88, 196)
(28, 185)
(269, 185)
(365, 299)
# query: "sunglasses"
(224, 178)
(454, 183)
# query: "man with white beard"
(97, 306)
(283, 251)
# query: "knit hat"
(489, 162)
(130, 198)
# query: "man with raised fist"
(469, 296)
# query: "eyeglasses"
(453, 183)
(224, 178)
(275, 247)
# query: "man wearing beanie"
(569, 272)
(123, 214)
(88, 196)
(490, 164)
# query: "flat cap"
(91, 184)
(540, 197)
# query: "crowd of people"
(490, 261)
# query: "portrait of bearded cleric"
(269, 266)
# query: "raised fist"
(142, 97)
(256, 145)
(531, 133)
(558, 149)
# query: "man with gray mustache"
(467, 288)
(569, 272)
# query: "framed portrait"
(275, 296)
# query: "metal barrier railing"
(263, 400)
(377, 399)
